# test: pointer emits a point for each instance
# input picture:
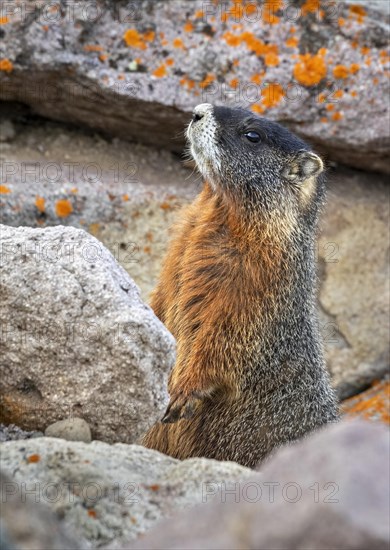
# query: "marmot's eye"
(254, 137)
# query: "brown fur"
(217, 277)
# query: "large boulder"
(77, 340)
(354, 292)
(105, 492)
(330, 491)
(137, 69)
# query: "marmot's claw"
(182, 407)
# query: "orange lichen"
(4, 20)
(92, 513)
(188, 27)
(310, 6)
(199, 14)
(125, 197)
(149, 36)
(375, 81)
(6, 65)
(32, 459)
(234, 82)
(154, 487)
(256, 108)
(272, 95)
(169, 61)
(292, 42)
(63, 208)
(165, 206)
(147, 249)
(231, 39)
(160, 71)
(258, 78)
(357, 12)
(364, 50)
(338, 94)
(329, 107)
(270, 8)
(324, 119)
(187, 82)
(209, 78)
(93, 48)
(178, 43)
(337, 116)
(103, 57)
(134, 39)
(373, 404)
(40, 203)
(236, 12)
(74, 190)
(271, 60)
(368, 61)
(254, 44)
(4, 190)
(341, 21)
(321, 98)
(340, 71)
(354, 68)
(311, 69)
(353, 93)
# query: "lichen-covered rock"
(76, 338)
(136, 70)
(330, 491)
(372, 404)
(105, 492)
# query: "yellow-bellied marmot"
(237, 291)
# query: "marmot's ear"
(303, 166)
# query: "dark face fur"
(256, 159)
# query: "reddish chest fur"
(219, 278)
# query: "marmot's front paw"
(183, 406)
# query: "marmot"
(237, 290)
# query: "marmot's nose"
(201, 110)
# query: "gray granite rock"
(71, 429)
(137, 70)
(105, 492)
(77, 338)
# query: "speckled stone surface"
(136, 70)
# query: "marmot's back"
(237, 291)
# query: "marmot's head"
(255, 159)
